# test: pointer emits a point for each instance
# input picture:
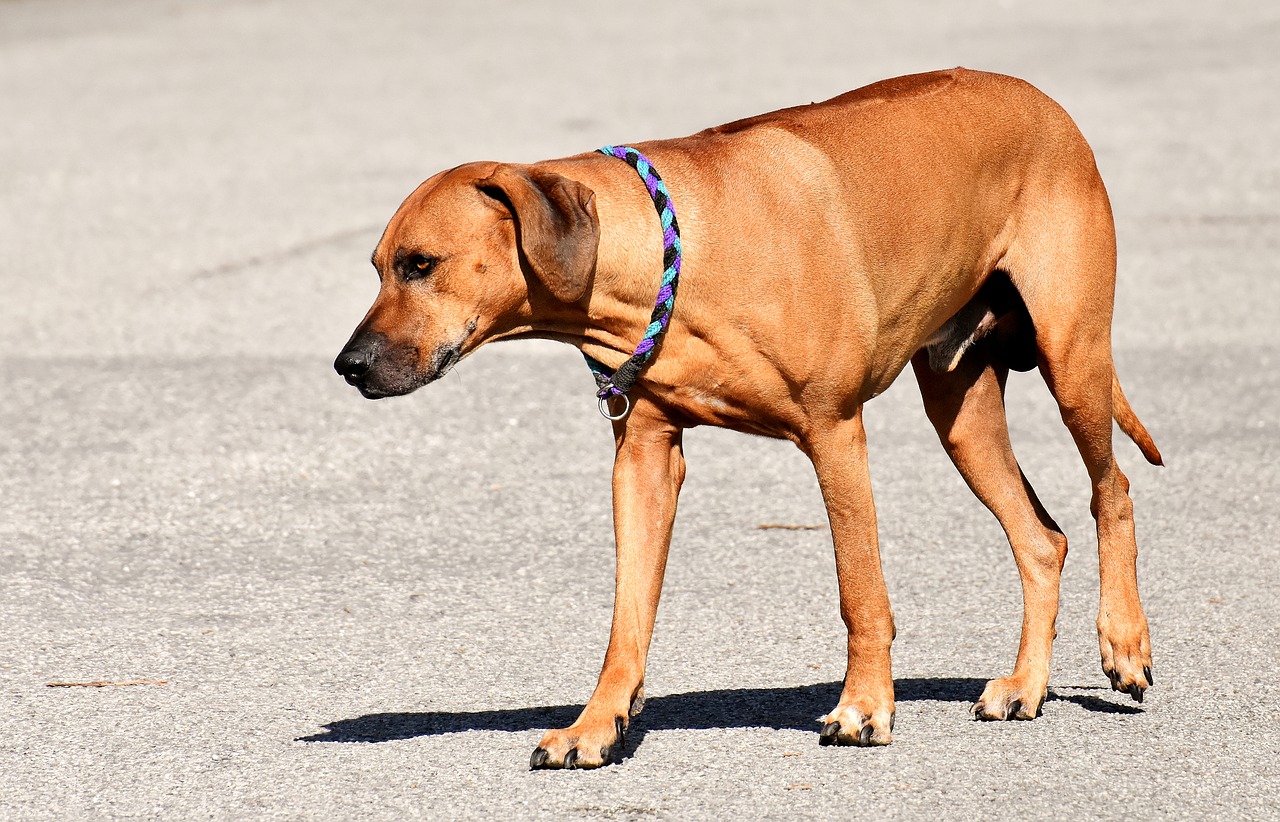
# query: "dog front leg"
(648, 470)
(865, 713)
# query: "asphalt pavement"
(341, 609)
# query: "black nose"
(359, 358)
(353, 363)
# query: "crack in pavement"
(281, 254)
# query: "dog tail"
(1131, 425)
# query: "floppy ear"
(556, 226)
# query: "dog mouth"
(397, 370)
(369, 392)
(408, 380)
(449, 355)
(445, 359)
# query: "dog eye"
(419, 266)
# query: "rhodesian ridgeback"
(954, 220)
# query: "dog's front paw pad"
(577, 748)
(997, 712)
(613, 752)
(1008, 698)
(852, 727)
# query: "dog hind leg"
(1065, 272)
(966, 406)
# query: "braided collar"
(618, 383)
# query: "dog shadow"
(793, 708)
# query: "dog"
(953, 220)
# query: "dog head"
(474, 253)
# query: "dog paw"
(581, 745)
(1125, 645)
(857, 723)
(1009, 698)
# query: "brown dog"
(953, 220)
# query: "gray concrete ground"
(371, 610)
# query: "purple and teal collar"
(618, 383)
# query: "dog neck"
(612, 318)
